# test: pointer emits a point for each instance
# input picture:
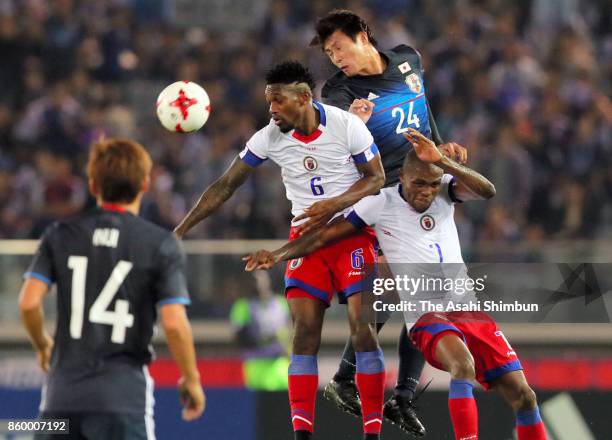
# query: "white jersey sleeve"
(447, 192)
(256, 150)
(360, 141)
(366, 212)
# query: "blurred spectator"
(261, 325)
(525, 85)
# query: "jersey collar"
(322, 117)
(401, 194)
(315, 134)
(113, 207)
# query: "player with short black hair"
(345, 21)
(385, 88)
(114, 273)
(290, 72)
(329, 162)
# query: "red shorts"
(493, 355)
(340, 267)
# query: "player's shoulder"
(340, 122)
(336, 80)
(404, 53)
(332, 113)
(335, 117)
(148, 230)
(392, 195)
(61, 228)
(374, 202)
(269, 132)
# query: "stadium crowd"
(524, 85)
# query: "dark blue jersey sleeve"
(41, 266)
(337, 95)
(172, 283)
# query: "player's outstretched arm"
(303, 245)
(469, 185)
(215, 195)
(180, 342)
(372, 180)
(32, 315)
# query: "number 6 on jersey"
(120, 318)
(317, 190)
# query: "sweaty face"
(421, 187)
(285, 107)
(344, 53)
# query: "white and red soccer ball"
(183, 106)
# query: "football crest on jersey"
(310, 163)
(295, 263)
(427, 222)
(414, 83)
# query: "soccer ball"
(183, 106)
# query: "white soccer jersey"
(408, 236)
(417, 244)
(318, 166)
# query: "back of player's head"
(290, 72)
(118, 167)
(342, 20)
(413, 166)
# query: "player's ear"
(402, 178)
(93, 188)
(146, 184)
(362, 38)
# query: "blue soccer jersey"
(400, 103)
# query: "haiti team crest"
(414, 83)
(295, 263)
(310, 163)
(427, 222)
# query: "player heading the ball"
(329, 162)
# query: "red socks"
(370, 379)
(304, 379)
(463, 411)
(529, 425)
(303, 382)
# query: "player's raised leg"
(452, 355)
(370, 369)
(307, 314)
(514, 388)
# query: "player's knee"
(525, 399)
(363, 338)
(306, 337)
(463, 368)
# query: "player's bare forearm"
(372, 181)
(305, 244)
(32, 313)
(33, 321)
(308, 243)
(470, 184)
(215, 195)
(180, 339)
